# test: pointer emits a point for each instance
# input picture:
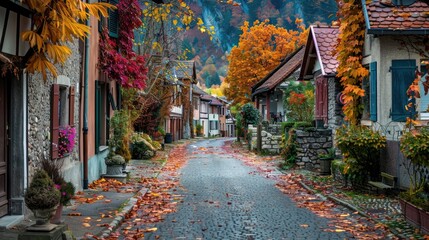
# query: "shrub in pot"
(114, 164)
(42, 196)
(325, 161)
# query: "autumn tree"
(349, 53)
(260, 49)
(55, 24)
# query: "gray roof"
(185, 70)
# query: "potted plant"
(414, 144)
(114, 164)
(325, 161)
(119, 143)
(41, 197)
(67, 190)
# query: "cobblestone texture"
(223, 200)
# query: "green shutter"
(403, 72)
(373, 91)
(97, 115)
(113, 21)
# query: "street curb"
(351, 207)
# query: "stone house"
(33, 113)
(178, 123)
(389, 27)
(204, 113)
(267, 94)
(319, 65)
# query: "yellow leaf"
(175, 22)
(151, 229)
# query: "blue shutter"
(373, 91)
(403, 72)
(113, 21)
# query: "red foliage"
(117, 59)
(297, 98)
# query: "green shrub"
(361, 149)
(289, 148)
(199, 129)
(114, 160)
(250, 115)
(42, 194)
(287, 125)
(302, 125)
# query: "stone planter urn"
(43, 215)
(114, 169)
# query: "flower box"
(424, 221)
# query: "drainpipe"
(85, 112)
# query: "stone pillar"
(17, 145)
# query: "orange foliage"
(260, 49)
(349, 54)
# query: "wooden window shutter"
(324, 99)
(113, 21)
(373, 91)
(319, 97)
(403, 73)
(71, 105)
(55, 121)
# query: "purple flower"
(66, 140)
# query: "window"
(214, 125)
(403, 2)
(204, 107)
(403, 72)
(104, 102)
(196, 103)
(423, 105)
(113, 20)
(62, 113)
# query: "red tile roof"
(396, 19)
(325, 39)
(281, 73)
(215, 102)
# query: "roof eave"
(383, 31)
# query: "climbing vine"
(117, 58)
(55, 24)
(349, 53)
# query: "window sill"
(102, 148)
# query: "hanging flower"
(66, 140)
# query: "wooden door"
(3, 149)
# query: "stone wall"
(39, 111)
(335, 118)
(311, 143)
(270, 142)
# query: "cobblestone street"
(224, 199)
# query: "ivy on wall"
(349, 53)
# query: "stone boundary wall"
(311, 143)
(270, 142)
